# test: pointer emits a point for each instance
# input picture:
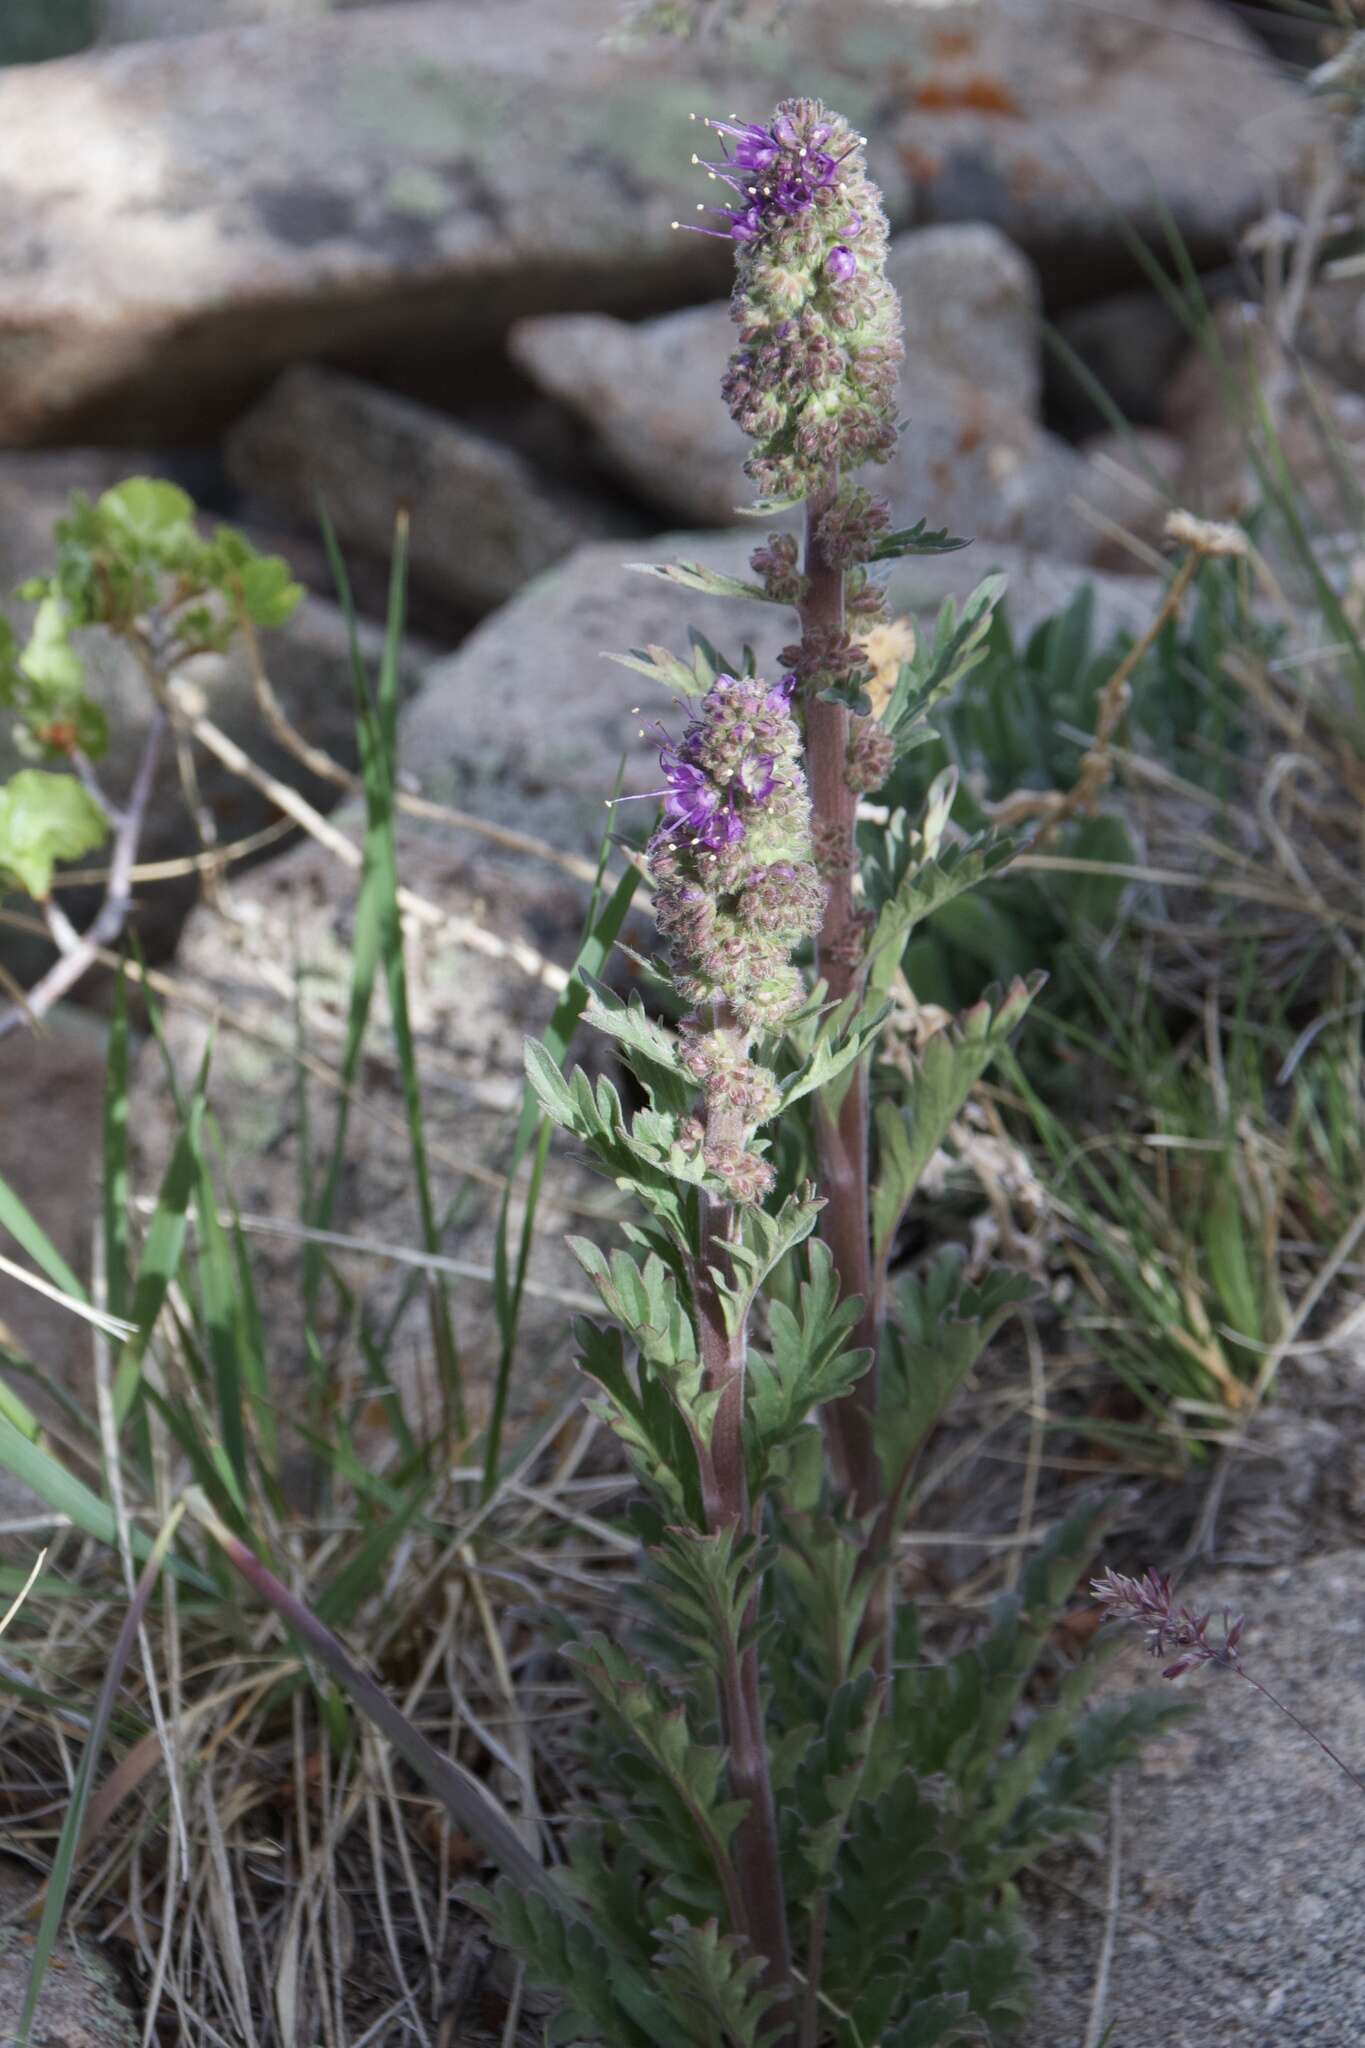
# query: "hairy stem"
(842, 1134)
(726, 1499)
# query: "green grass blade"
(162, 1250)
(117, 1259)
(377, 727)
(30, 1236)
(59, 1882)
(66, 1495)
(508, 1285)
(222, 1321)
(470, 1805)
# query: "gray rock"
(972, 456)
(34, 30)
(1053, 122)
(1242, 1857)
(527, 720)
(391, 188)
(1132, 482)
(1214, 408)
(309, 666)
(1130, 344)
(470, 1012)
(82, 2004)
(483, 520)
(972, 303)
(651, 391)
(137, 21)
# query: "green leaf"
(959, 643)
(267, 591)
(761, 1242)
(650, 1052)
(667, 671)
(943, 1074)
(45, 819)
(149, 514)
(832, 1046)
(50, 661)
(807, 1362)
(924, 887)
(937, 1330)
(692, 576)
(916, 540)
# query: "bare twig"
(79, 954)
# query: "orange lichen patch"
(975, 95)
(953, 42)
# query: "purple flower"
(694, 805)
(841, 264)
(780, 696)
(757, 776)
(794, 195)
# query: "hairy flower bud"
(871, 755)
(736, 887)
(815, 377)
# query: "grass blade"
(64, 1862)
(472, 1807)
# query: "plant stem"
(1311, 1733)
(842, 1136)
(79, 952)
(725, 1496)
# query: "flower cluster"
(1149, 1602)
(814, 379)
(731, 860)
(736, 890)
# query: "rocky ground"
(419, 255)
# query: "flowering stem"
(842, 1137)
(1311, 1733)
(726, 1501)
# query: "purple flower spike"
(841, 264)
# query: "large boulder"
(390, 188)
(527, 720)
(650, 391)
(973, 454)
(483, 519)
(1241, 1860)
(1056, 121)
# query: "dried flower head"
(1148, 1603)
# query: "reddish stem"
(842, 1139)
(725, 1497)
